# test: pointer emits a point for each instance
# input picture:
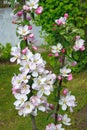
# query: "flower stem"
(58, 106)
(33, 122)
(58, 93)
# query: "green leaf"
(49, 115)
(12, 3)
(23, 44)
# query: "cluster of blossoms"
(79, 44)
(54, 127)
(32, 79)
(62, 119)
(67, 100)
(34, 83)
(24, 31)
(62, 20)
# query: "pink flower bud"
(31, 35)
(65, 91)
(13, 90)
(56, 54)
(28, 18)
(20, 13)
(59, 118)
(34, 47)
(30, 27)
(77, 37)
(50, 54)
(25, 7)
(60, 77)
(70, 77)
(74, 63)
(24, 51)
(82, 48)
(39, 10)
(25, 38)
(66, 15)
(51, 106)
(63, 50)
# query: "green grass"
(9, 118)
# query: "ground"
(82, 119)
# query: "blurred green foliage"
(76, 25)
(54, 9)
(5, 52)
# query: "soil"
(81, 118)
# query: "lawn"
(9, 118)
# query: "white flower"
(33, 4)
(65, 71)
(70, 101)
(54, 127)
(67, 101)
(15, 52)
(51, 127)
(28, 108)
(25, 109)
(23, 30)
(79, 44)
(57, 49)
(37, 59)
(63, 102)
(43, 84)
(24, 78)
(25, 89)
(16, 81)
(35, 100)
(59, 127)
(28, 55)
(27, 66)
(66, 120)
(21, 98)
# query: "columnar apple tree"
(34, 83)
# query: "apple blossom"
(26, 109)
(24, 88)
(67, 101)
(79, 45)
(15, 52)
(23, 30)
(59, 127)
(21, 98)
(66, 120)
(26, 8)
(33, 4)
(57, 48)
(61, 21)
(34, 83)
(65, 72)
(51, 127)
(54, 127)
